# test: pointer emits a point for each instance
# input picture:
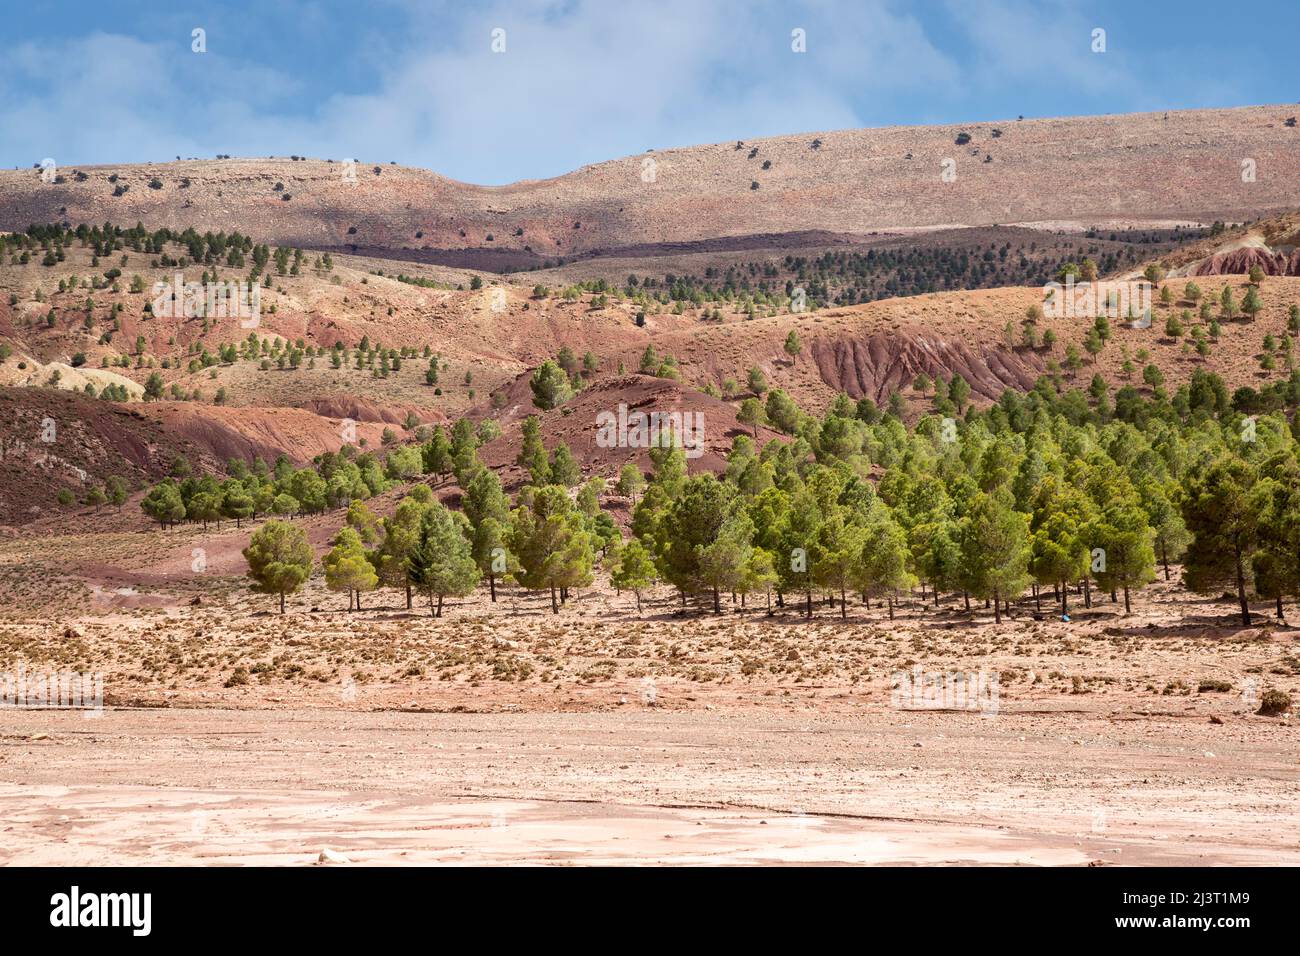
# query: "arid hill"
(1181, 166)
(709, 425)
(489, 337)
(1271, 244)
(54, 439)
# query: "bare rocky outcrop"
(249, 432)
(1241, 261)
(874, 365)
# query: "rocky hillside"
(1271, 244)
(1183, 166)
(52, 439)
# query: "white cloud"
(580, 82)
(600, 80)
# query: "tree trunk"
(492, 586)
(408, 595)
(1279, 605)
(1127, 608)
(281, 602)
(966, 596)
(1087, 592)
(717, 605)
(1063, 593)
(808, 612)
(844, 612)
(1164, 557)
(997, 607)
(358, 600)
(555, 608)
(891, 605)
(1241, 592)
(439, 614)
(1038, 600)
(638, 603)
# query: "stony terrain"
(495, 734)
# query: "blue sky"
(417, 81)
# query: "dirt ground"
(505, 734)
(643, 786)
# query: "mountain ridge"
(1180, 166)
